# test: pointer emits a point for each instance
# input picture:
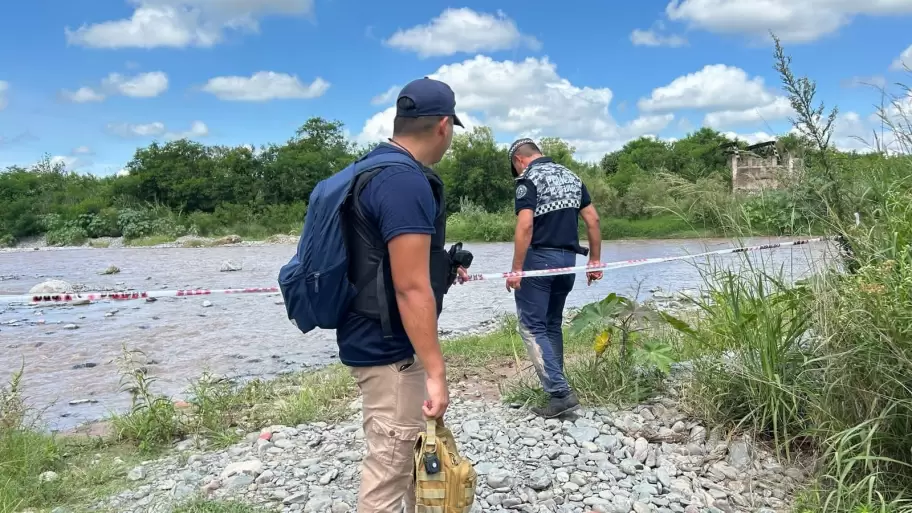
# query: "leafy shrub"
(472, 223)
(136, 223)
(67, 236)
(645, 196)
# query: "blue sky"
(89, 81)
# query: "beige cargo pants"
(393, 396)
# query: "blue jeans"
(540, 309)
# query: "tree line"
(649, 188)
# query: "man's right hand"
(592, 276)
(438, 397)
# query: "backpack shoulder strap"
(367, 168)
(369, 165)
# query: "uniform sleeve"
(585, 200)
(525, 195)
(403, 202)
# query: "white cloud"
(462, 30)
(264, 86)
(64, 160)
(154, 129)
(4, 88)
(752, 138)
(197, 129)
(654, 37)
(903, 61)
(780, 108)
(651, 38)
(849, 134)
(379, 127)
(529, 97)
(123, 172)
(716, 86)
(143, 85)
(791, 20)
(872, 81)
(158, 129)
(82, 150)
(386, 97)
(182, 23)
(82, 95)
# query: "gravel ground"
(650, 458)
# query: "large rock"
(228, 239)
(739, 455)
(250, 467)
(230, 266)
(52, 287)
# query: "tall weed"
(754, 368)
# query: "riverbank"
(472, 227)
(41, 243)
(294, 444)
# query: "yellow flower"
(602, 341)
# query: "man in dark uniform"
(549, 199)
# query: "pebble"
(48, 477)
(601, 462)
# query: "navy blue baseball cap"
(428, 97)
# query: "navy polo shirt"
(398, 200)
(555, 195)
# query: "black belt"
(578, 249)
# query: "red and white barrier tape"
(131, 295)
(126, 296)
(632, 263)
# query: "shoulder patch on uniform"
(521, 191)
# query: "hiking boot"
(558, 406)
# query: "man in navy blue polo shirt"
(396, 243)
(549, 197)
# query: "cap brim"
(457, 122)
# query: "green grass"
(210, 506)
(665, 226)
(152, 240)
(218, 408)
(86, 470)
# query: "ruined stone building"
(761, 166)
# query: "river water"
(248, 335)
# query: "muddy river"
(69, 351)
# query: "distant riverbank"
(481, 227)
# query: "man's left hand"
(461, 275)
(513, 283)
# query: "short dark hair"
(527, 150)
(415, 126)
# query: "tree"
(477, 169)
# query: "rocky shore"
(649, 458)
(188, 241)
